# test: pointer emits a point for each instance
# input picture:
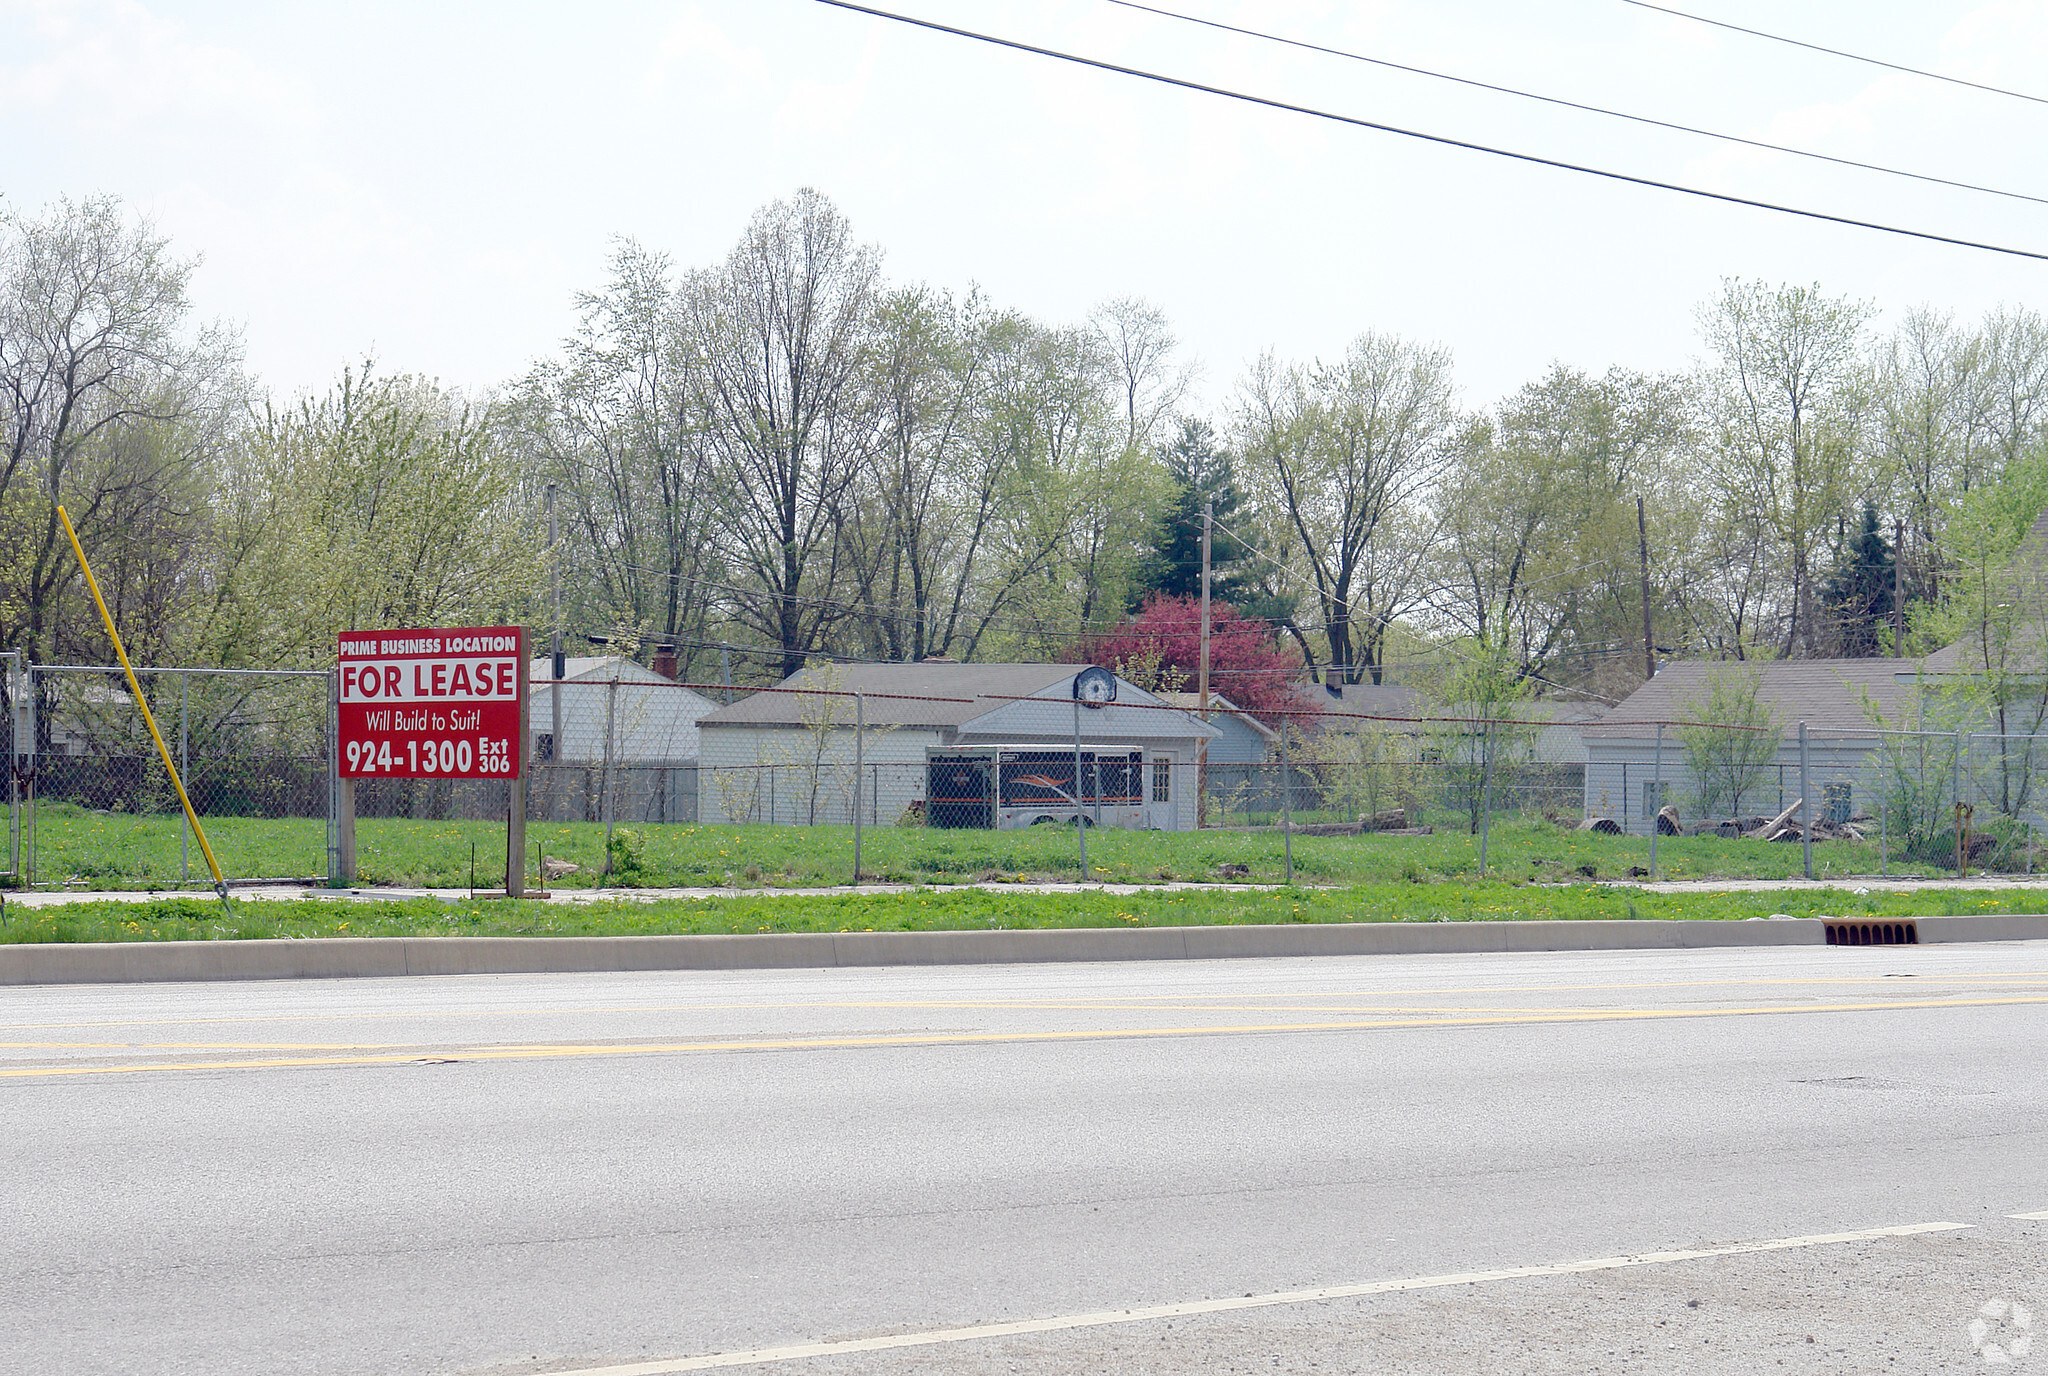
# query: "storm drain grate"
(1873, 934)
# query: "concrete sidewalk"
(382, 894)
(261, 892)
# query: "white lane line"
(2042, 1214)
(932, 1337)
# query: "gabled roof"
(921, 694)
(1363, 699)
(1826, 694)
(602, 668)
(1192, 702)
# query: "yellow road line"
(203, 1046)
(1134, 1002)
(578, 1050)
(796, 1352)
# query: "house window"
(544, 745)
(1162, 781)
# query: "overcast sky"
(434, 182)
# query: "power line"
(1577, 105)
(1835, 52)
(1269, 103)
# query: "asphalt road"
(575, 1172)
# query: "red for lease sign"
(432, 704)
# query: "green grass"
(125, 851)
(189, 919)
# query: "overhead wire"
(1296, 577)
(1836, 52)
(1558, 164)
(1574, 104)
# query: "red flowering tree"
(1160, 649)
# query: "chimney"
(665, 660)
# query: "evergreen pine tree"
(1856, 602)
(1201, 472)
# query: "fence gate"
(97, 807)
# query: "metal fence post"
(1485, 794)
(860, 726)
(1287, 798)
(1805, 804)
(1956, 789)
(1884, 843)
(15, 685)
(185, 770)
(604, 785)
(1080, 817)
(33, 756)
(1657, 792)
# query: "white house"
(649, 773)
(1001, 736)
(1241, 737)
(1834, 697)
(650, 716)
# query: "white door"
(1163, 782)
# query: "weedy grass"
(110, 851)
(192, 919)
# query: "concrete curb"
(369, 957)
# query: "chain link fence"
(90, 802)
(1956, 799)
(95, 801)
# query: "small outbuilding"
(628, 744)
(1836, 698)
(971, 745)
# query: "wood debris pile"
(1786, 826)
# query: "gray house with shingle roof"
(786, 754)
(1836, 698)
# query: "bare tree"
(614, 422)
(783, 331)
(109, 408)
(1139, 346)
(1782, 423)
(1346, 455)
(1538, 503)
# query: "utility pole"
(1202, 678)
(1898, 588)
(1643, 548)
(555, 631)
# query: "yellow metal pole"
(220, 885)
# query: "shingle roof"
(956, 693)
(1371, 699)
(1827, 694)
(1192, 702)
(603, 667)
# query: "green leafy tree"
(1781, 407)
(1729, 737)
(386, 501)
(1485, 736)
